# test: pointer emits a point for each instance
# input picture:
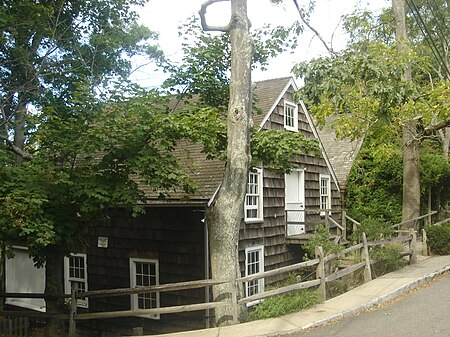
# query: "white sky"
(164, 17)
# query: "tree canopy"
(364, 86)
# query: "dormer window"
(290, 116)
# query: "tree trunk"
(411, 142)
(411, 174)
(446, 142)
(54, 287)
(225, 214)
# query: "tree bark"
(411, 139)
(446, 142)
(54, 287)
(225, 213)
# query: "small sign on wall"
(102, 242)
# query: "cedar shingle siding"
(172, 230)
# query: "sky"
(165, 16)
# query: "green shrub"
(284, 304)
(375, 230)
(388, 258)
(322, 238)
(439, 239)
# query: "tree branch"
(436, 127)
(303, 18)
(21, 153)
(202, 13)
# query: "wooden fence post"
(234, 301)
(344, 224)
(412, 246)
(366, 257)
(424, 243)
(320, 273)
(73, 309)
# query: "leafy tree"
(68, 143)
(365, 86)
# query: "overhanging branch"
(21, 153)
(303, 18)
(202, 13)
(435, 127)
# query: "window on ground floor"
(75, 272)
(144, 273)
(254, 263)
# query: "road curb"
(382, 299)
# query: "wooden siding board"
(173, 235)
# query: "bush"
(388, 258)
(322, 238)
(439, 239)
(284, 304)
(374, 229)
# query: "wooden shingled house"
(169, 243)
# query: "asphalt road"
(424, 312)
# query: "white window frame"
(327, 195)
(134, 297)
(260, 266)
(81, 302)
(254, 196)
(290, 116)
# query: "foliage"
(322, 238)
(86, 161)
(205, 67)
(388, 258)
(375, 180)
(287, 146)
(439, 239)
(374, 230)
(374, 183)
(284, 304)
(363, 89)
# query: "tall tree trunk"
(54, 287)
(445, 142)
(225, 214)
(411, 142)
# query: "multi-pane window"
(290, 116)
(254, 263)
(75, 271)
(325, 191)
(144, 273)
(254, 197)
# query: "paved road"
(421, 313)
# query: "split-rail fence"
(322, 278)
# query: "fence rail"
(322, 277)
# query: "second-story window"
(290, 116)
(253, 207)
(325, 192)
